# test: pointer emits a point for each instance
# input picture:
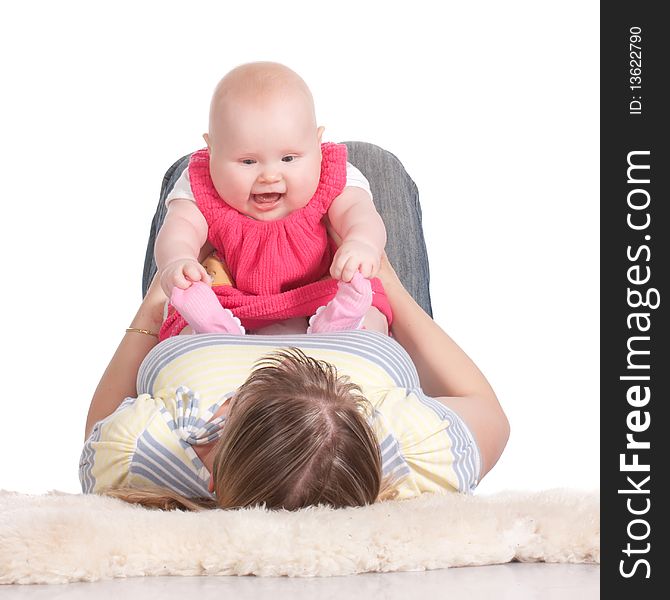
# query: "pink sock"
(202, 310)
(346, 310)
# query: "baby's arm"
(355, 220)
(178, 245)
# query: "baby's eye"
(247, 161)
(288, 158)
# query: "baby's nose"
(270, 177)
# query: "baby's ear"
(206, 138)
(319, 132)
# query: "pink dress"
(276, 265)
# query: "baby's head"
(265, 146)
(297, 435)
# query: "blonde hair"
(296, 435)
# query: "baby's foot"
(202, 310)
(346, 310)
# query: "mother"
(341, 419)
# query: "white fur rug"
(60, 538)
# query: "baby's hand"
(182, 273)
(354, 256)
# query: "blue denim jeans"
(395, 196)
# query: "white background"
(491, 106)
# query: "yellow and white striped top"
(184, 380)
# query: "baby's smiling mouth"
(266, 198)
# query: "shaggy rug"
(61, 538)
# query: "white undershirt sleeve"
(181, 189)
(356, 179)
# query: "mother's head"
(296, 435)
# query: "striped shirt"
(184, 380)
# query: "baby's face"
(265, 157)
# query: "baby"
(264, 195)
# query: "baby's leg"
(199, 305)
(375, 320)
(166, 312)
(347, 310)
(286, 327)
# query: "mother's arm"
(120, 377)
(445, 371)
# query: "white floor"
(498, 582)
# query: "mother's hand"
(150, 313)
(387, 274)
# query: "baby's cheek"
(305, 190)
(226, 185)
(296, 203)
(217, 178)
